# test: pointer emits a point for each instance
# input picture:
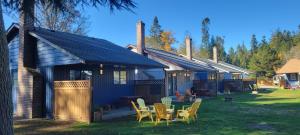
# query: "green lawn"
(269, 112)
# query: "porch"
(86, 93)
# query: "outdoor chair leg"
(150, 116)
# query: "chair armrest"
(184, 107)
(172, 106)
(144, 108)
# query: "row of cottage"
(51, 56)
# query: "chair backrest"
(160, 109)
(194, 108)
(255, 86)
(167, 101)
(141, 102)
(135, 108)
(198, 100)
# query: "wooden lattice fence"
(205, 87)
(151, 90)
(73, 100)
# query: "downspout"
(166, 83)
(217, 83)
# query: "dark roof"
(218, 66)
(179, 61)
(235, 67)
(92, 50)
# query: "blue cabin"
(180, 72)
(226, 71)
(61, 56)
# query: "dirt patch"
(40, 126)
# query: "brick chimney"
(26, 63)
(140, 37)
(188, 43)
(215, 54)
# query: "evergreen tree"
(231, 57)
(242, 56)
(282, 42)
(204, 48)
(211, 45)
(263, 61)
(254, 44)
(154, 40)
(155, 29)
(221, 50)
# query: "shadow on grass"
(265, 113)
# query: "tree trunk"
(6, 107)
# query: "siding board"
(50, 56)
(106, 92)
(13, 47)
(48, 79)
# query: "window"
(120, 77)
(236, 76)
(211, 76)
(293, 77)
(75, 75)
(221, 76)
(123, 77)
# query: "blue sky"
(236, 20)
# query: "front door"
(172, 83)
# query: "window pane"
(116, 77)
(72, 74)
(123, 77)
(75, 75)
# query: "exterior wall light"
(101, 69)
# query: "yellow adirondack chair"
(142, 113)
(161, 113)
(189, 113)
(167, 101)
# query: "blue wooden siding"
(14, 74)
(106, 92)
(47, 72)
(13, 47)
(50, 56)
(104, 89)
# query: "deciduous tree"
(167, 39)
(73, 21)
